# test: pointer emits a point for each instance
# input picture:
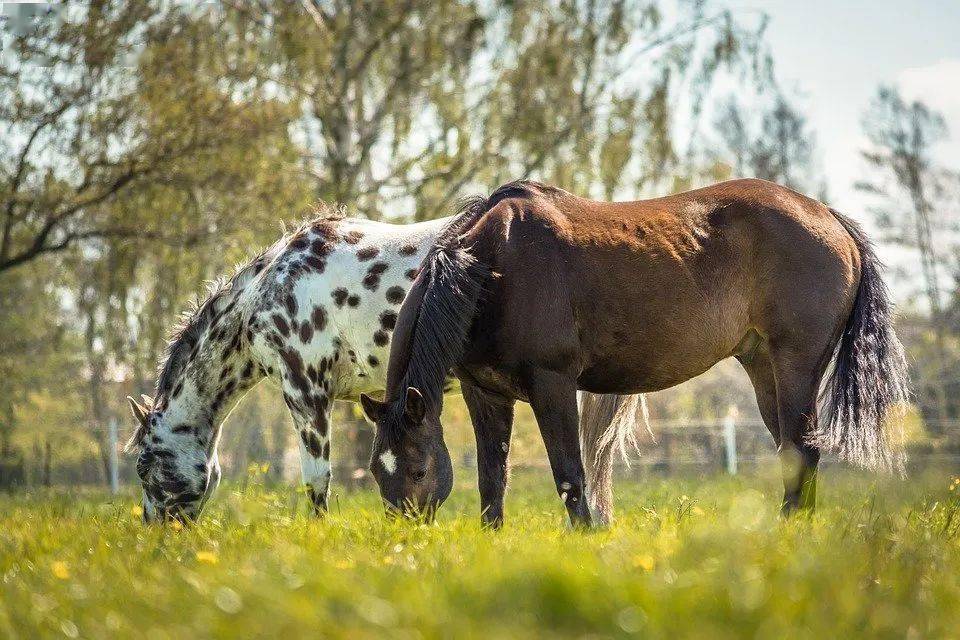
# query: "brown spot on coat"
(371, 281)
(281, 324)
(320, 248)
(320, 423)
(367, 253)
(326, 230)
(319, 318)
(408, 249)
(380, 338)
(388, 320)
(353, 237)
(306, 332)
(339, 296)
(315, 263)
(374, 362)
(311, 442)
(395, 295)
(412, 274)
(353, 300)
(298, 242)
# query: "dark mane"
(442, 304)
(521, 189)
(444, 299)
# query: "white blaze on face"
(389, 461)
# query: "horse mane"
(197, 318)
(200, 314)
(522, 189)
(437, 315)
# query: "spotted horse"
(314, 313)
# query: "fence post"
(114, 458)
(730, 440)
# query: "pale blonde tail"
(608, 423)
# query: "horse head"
(410, 461)
(177, 465)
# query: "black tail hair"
(868, 382)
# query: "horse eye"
(419, 475)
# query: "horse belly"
(642, 345)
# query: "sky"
(834, 55)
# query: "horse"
(314, 313)
(543, 293)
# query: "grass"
(698, 557)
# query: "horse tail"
(868, 385)
(608, 423)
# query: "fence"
(728, 445)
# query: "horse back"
(658, 289)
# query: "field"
(700, 557)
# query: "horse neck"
(432, 333)
(217, 372)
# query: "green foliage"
(153, 144)
(686, 558)
(915, 202)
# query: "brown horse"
(541, 293)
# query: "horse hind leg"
(759, 368)
(798, 382)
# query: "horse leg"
(759, 368)
(492, 418)
(797, 385)
(553, 397)
(311, 418)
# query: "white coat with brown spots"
(315, 313)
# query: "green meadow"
(697, 557)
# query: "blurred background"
(147, 147)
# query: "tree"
(778, 146)
(90, 113)
(902, 135)
(138, 144)
(407, 104)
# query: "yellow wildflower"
(60, 569)
(207, 557)
(644, 562)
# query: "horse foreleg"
(492, 419)
(311, 418)
(553, 397)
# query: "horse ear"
(139, 412)
(147, 401)
(371, 408)
(415, 407)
